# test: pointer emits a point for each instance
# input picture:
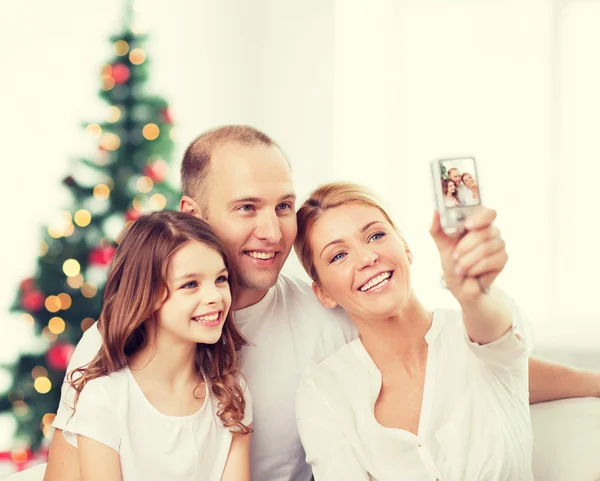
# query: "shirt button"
(420, 445)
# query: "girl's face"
(362, 263)
(451, 187)
(199, 298)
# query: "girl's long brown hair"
(135, 290)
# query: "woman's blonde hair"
(325, 197)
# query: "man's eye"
(221, 279)
(246, 208)
(284, 206)
(337, 257)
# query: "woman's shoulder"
(111, 385)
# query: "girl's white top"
(152, 446)
(474, 423)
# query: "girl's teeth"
(214, 317)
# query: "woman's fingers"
(465, 262)
(490, 264)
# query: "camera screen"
(460, 185)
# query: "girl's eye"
(377, 236)
(190, 285)
(337, 257)
(221, 279)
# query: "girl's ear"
(324, 298)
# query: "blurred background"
(96, 118)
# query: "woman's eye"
(377, 236)
(190, 285)
(221, 279)
(337, 257)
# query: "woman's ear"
(324, 298)
(409, 254)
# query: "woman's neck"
(400, 338)
(165, 360)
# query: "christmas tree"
(126, 177)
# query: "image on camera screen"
(460, 186)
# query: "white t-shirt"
(152, 446)
(465, 195)
(287, 329)
(474, 423)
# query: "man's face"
(455, 176)
(251, 206)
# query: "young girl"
(421, 395)
(163, 399)
(450, 193)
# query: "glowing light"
(150, 131)
(101, 191)
(39, 371)
(144, 184)
(94, 129)
(56, 325)
(48, 418)
(76, 281)
(173, 135)
(121, 47)
(52, 303)
(110, 141)
(87, 323)
(54, 232)
(138, 203)
(108, 82)
(113, 114)
(27, 319)
(42, 385)
(69, 229)
(48, 335)
(71, 267)
(47, 431)
(65, 301)
(106, 70)
(43, 248)
(89, 290)
(83, 218)
(137, 56)
(19, 456)
(158, 201)
(20, 409)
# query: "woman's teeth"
(376, 281)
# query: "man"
(238, 179)
(465, 196)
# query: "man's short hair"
(195, 167)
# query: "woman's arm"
(471, 263)
(97, 461)
(237, 466)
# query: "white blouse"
(474, 425)
(152, 446)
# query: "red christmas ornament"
(27, 284)
(166, 116)
(132, 215)
(32, 300)
(157, 171)
(59, 355)
(120, 73)
(101, 256)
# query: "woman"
(450, 193)
(420, 395)
(471, 183)
(162, 399)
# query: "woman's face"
(451, 187)
(361, 261)
(199, 297)
(468, 180)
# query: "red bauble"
(32, 300)
(27, 284)
(59, 355)
(132, 215)
(166, 115)
(101, 256)
(120, 73)
(157, 171)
